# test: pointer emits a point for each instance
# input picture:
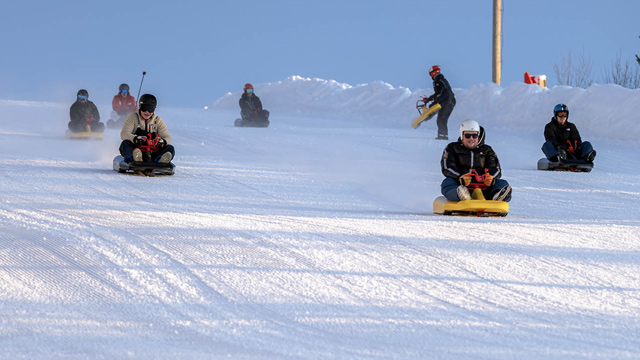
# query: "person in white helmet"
(469, 163)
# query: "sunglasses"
(82, 97)
(562, 116)
(249, 90)
(470, 136)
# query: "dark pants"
(81, 126)
(443, 117)
(127, 147)
(262, 116)
(551, 152)
(449, 188)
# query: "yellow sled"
(88, 135)
(478, 205)
(425, 114)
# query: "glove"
(465, 179)
(562, 155)
(161, 143)
(488, 180)
(140, 140)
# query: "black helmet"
(123, 87)
(82, 92)
(560, 108)
(148, 102)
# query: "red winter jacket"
(124, 106)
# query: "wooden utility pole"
(497, 41)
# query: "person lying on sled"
(468, 164)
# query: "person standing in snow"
(251, 107)
(123, 104)
(142, 125)
(562, 139)
(84, 115)
(444, 96)
(468, 164)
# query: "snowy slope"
(314, 238)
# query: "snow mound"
(601, 110)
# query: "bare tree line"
(574, 74)
(578, 73)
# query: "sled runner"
(425, 113)
(251, 123)
(567, 165)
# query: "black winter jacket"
(457, 160)
(560, 135)
(442, 90)
(84, 112)
(250, 105)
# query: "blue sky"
(195, 51)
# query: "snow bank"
(601, 110)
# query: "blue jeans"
(127, 147)
(449, 188)
(550, 151)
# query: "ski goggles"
(82, 97)
(249, 90)
(147, 108)
(469, 136)
(124, 91)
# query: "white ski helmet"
(469, 125)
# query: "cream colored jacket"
(154, 124)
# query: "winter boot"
(503, 193)
(463, 193)
(590, 156)
(442, 137)
(165, 158)
(137, 155)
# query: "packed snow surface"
(315, 238)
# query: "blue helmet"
(560, 108)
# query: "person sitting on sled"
(444, 96)
(123, 104)
(145, 128)
(468, 164)
(84, 114)
(251, 106)
(562, 139)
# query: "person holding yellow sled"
(444, 96)
(470, 164)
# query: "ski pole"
(143, 74)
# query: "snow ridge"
(601, 110)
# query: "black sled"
(567, 165)
(251, 123)
(143, 168)
(147, 167)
